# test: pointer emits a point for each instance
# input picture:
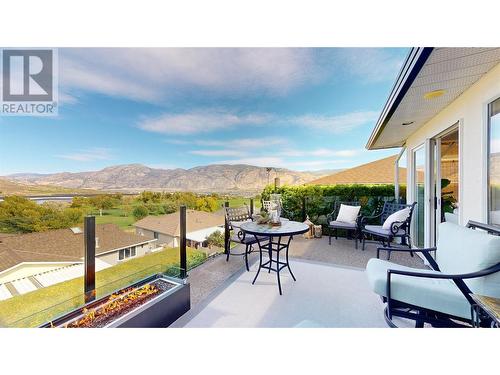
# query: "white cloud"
(320, 164)
(263, 161)
(151, 74)
(337, 123)
(248, 143)
(321, 152)
(156, 74)
(370, 64)
(208, 120)
(221, 152)
(93, 154)
(200, 121)
(65, 98)
(283, 162)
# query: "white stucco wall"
(470, 109)
(163, 239)
(112, 258)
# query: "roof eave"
(411, 67)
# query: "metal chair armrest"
(396, 226)
(241, 235)
(425, 252)
(366, 218)
(458, 279)
(329, 217)
(406, 249)
(460, 276)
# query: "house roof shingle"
(376, 172)
(169, 224)
(61, 245)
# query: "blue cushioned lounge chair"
(467, 261)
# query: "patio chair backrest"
(336, 206)
(234, 214)
(465, 250)
(390, 208)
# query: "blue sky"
(303, 109)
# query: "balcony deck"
(331, 290)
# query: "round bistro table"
(275, 245)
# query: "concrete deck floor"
(331, 289)
(322, 296)
(343, 252)
(213, 273)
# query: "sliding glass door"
(494, 162)
(435, 186)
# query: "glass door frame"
(435, 182)
(425, 147)
(432, 182)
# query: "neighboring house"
(33, 260)
(166, 228)
(444, 110)
(376, 172)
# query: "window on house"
(126, 253)
(494, 162)
(155, 235)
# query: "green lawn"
(240, 201)
(124, 219)
(124, 222)
(35, 308)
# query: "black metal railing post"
(183, 253)
(89, 259)
(226, 230)
(276, 184)
(304, 208)
(251, 206)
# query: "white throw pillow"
(348, 214)
(400, 215)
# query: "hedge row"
(319, 200)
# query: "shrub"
(140, 212)
(21, 215)
(320, 199)
(216, 239)
(169, 207)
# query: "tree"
(150, 197)
(140, 212)
(216, 239)
(208, 204)
(78, 202)
(103, 202)
(21, 215)
(169, 207)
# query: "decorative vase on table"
(276, 199)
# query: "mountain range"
(221, 178)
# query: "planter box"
(157, 312)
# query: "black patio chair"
(398, 229)
(466, 261)
(235, 216)
(350, 228)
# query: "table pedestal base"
(274, 265)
